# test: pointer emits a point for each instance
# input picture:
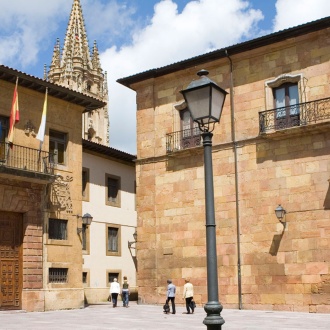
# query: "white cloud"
(202, 26)
(292, 12)
(25, 27)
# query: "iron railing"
(294, 115)
(24, 158)
(185, 139)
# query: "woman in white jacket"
(114, 291)
(188, 294)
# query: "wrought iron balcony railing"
(294, 115)
(186, 139)
(27, 159)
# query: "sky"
(135, 36)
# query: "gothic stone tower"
(79, 69)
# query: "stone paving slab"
(147, 317)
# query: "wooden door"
(10, 260)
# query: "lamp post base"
(213, 320)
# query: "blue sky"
(135, 35)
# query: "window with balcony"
(112, 190)
(58, 229)
(57, 146)
(190, 133)
(113, 240)
(286, 104)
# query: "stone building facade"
(271, 147)
(76, 67)
(40, 195)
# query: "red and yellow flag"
(14, 116)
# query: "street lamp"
(86, 220)
(280, 213)
(205, 101)
(135, 240)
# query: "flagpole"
(14, 115)
(42, 127)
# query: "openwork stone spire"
(78, 69)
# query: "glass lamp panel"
(198, 101)
(218, 98)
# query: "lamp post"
(205, 101)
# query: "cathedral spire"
(76, 68)
(96, 58)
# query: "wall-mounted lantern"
(280, 213)
(86, 220)
(133, 242)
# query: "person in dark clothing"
(171, 289)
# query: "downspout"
(238, 232)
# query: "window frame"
(57, 141)
(4, 121)
(85, 190)
(116, 274)
(66, 275)
(117, 202)
(85, 239)
(87, 283)
(110, 252)
(287, 115)
(58, 221)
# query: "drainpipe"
(232, 112)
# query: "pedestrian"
(114, 291)
(188, 294)
(171, 289)
(125, 292)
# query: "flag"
(14, 115)
(42, 127)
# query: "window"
(286, 100)
(57, 146)
(3, 134)
(283, 96)
(85, 278)
(84, 237)
(58, 229)
(190, 133)
(112, 190)
(58, 275)
(111, 276)
(85, 184)
(113, 240)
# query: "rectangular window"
(84, 237)
(57, 146)
(84, 277)
(112, 190)
(85, 184)
(191, 135)
(58, 229)
(286, 101)
(113, 240)
(4, 123)
(58, 275)
(111, 276)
